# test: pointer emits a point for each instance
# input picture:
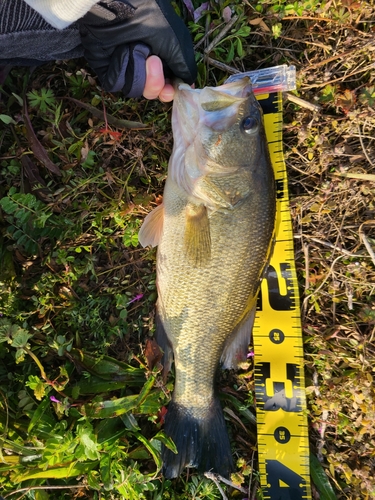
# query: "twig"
(222, 66)
(254, 492)
(350, 175)
(340, 56)
(304, 305)
(211, 475)
(322, 429)
(331, 245)
(198, 44)
(341, 78)
(116, 122)
(45, 487)
(365, 240)
(307, 277)
(316, 44)
(303, 103)
(372, 336)
(221, 35)
(349, 294)
(363, 146)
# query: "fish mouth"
(215, 107)
(238, 88)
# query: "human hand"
(156, 86)
(118, 38)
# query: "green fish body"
(214, 233)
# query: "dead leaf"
(259, 22)
(109, 178)
(84, 152)
(345, 100)
(153, 353)
(227, 14)
(36, 146)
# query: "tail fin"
(201, 443)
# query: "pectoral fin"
(236, 346)
(211, 194)
(197, 240)
(152, 227)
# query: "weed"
(43, 100)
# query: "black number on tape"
(283, 483)
(276, 336)
(277, 301)
(278, 399)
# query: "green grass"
(80, 390)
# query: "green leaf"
(37, 414)
(167, 441)
(108, 368)
(21, 338)
(20, 355)
(328, 93)
(244, 31)
(96, 386)
(41, 495)
(8, 205)
(150, 405)
(37, 385)
(367, 95)
(43, 100)
(88, 447)
(18, 98)
(230, 55)
(71, 470)
(5, 330)
(105, 471)
(109, 409)
(151, 448)
(321, 480)
(93, 480)
(130, 422)
(141, 403)
(239, 47)
(7, 120)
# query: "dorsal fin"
(152, 227)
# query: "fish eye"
(249, 124)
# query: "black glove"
(118, 36)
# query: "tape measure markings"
(283, 446)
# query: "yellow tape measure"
(283, 444)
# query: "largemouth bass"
(214, 232)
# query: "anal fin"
(236, 346)
(164, 344)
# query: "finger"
(167, 93)
(154, 78)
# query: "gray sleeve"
(17, 17)
(23, 36)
